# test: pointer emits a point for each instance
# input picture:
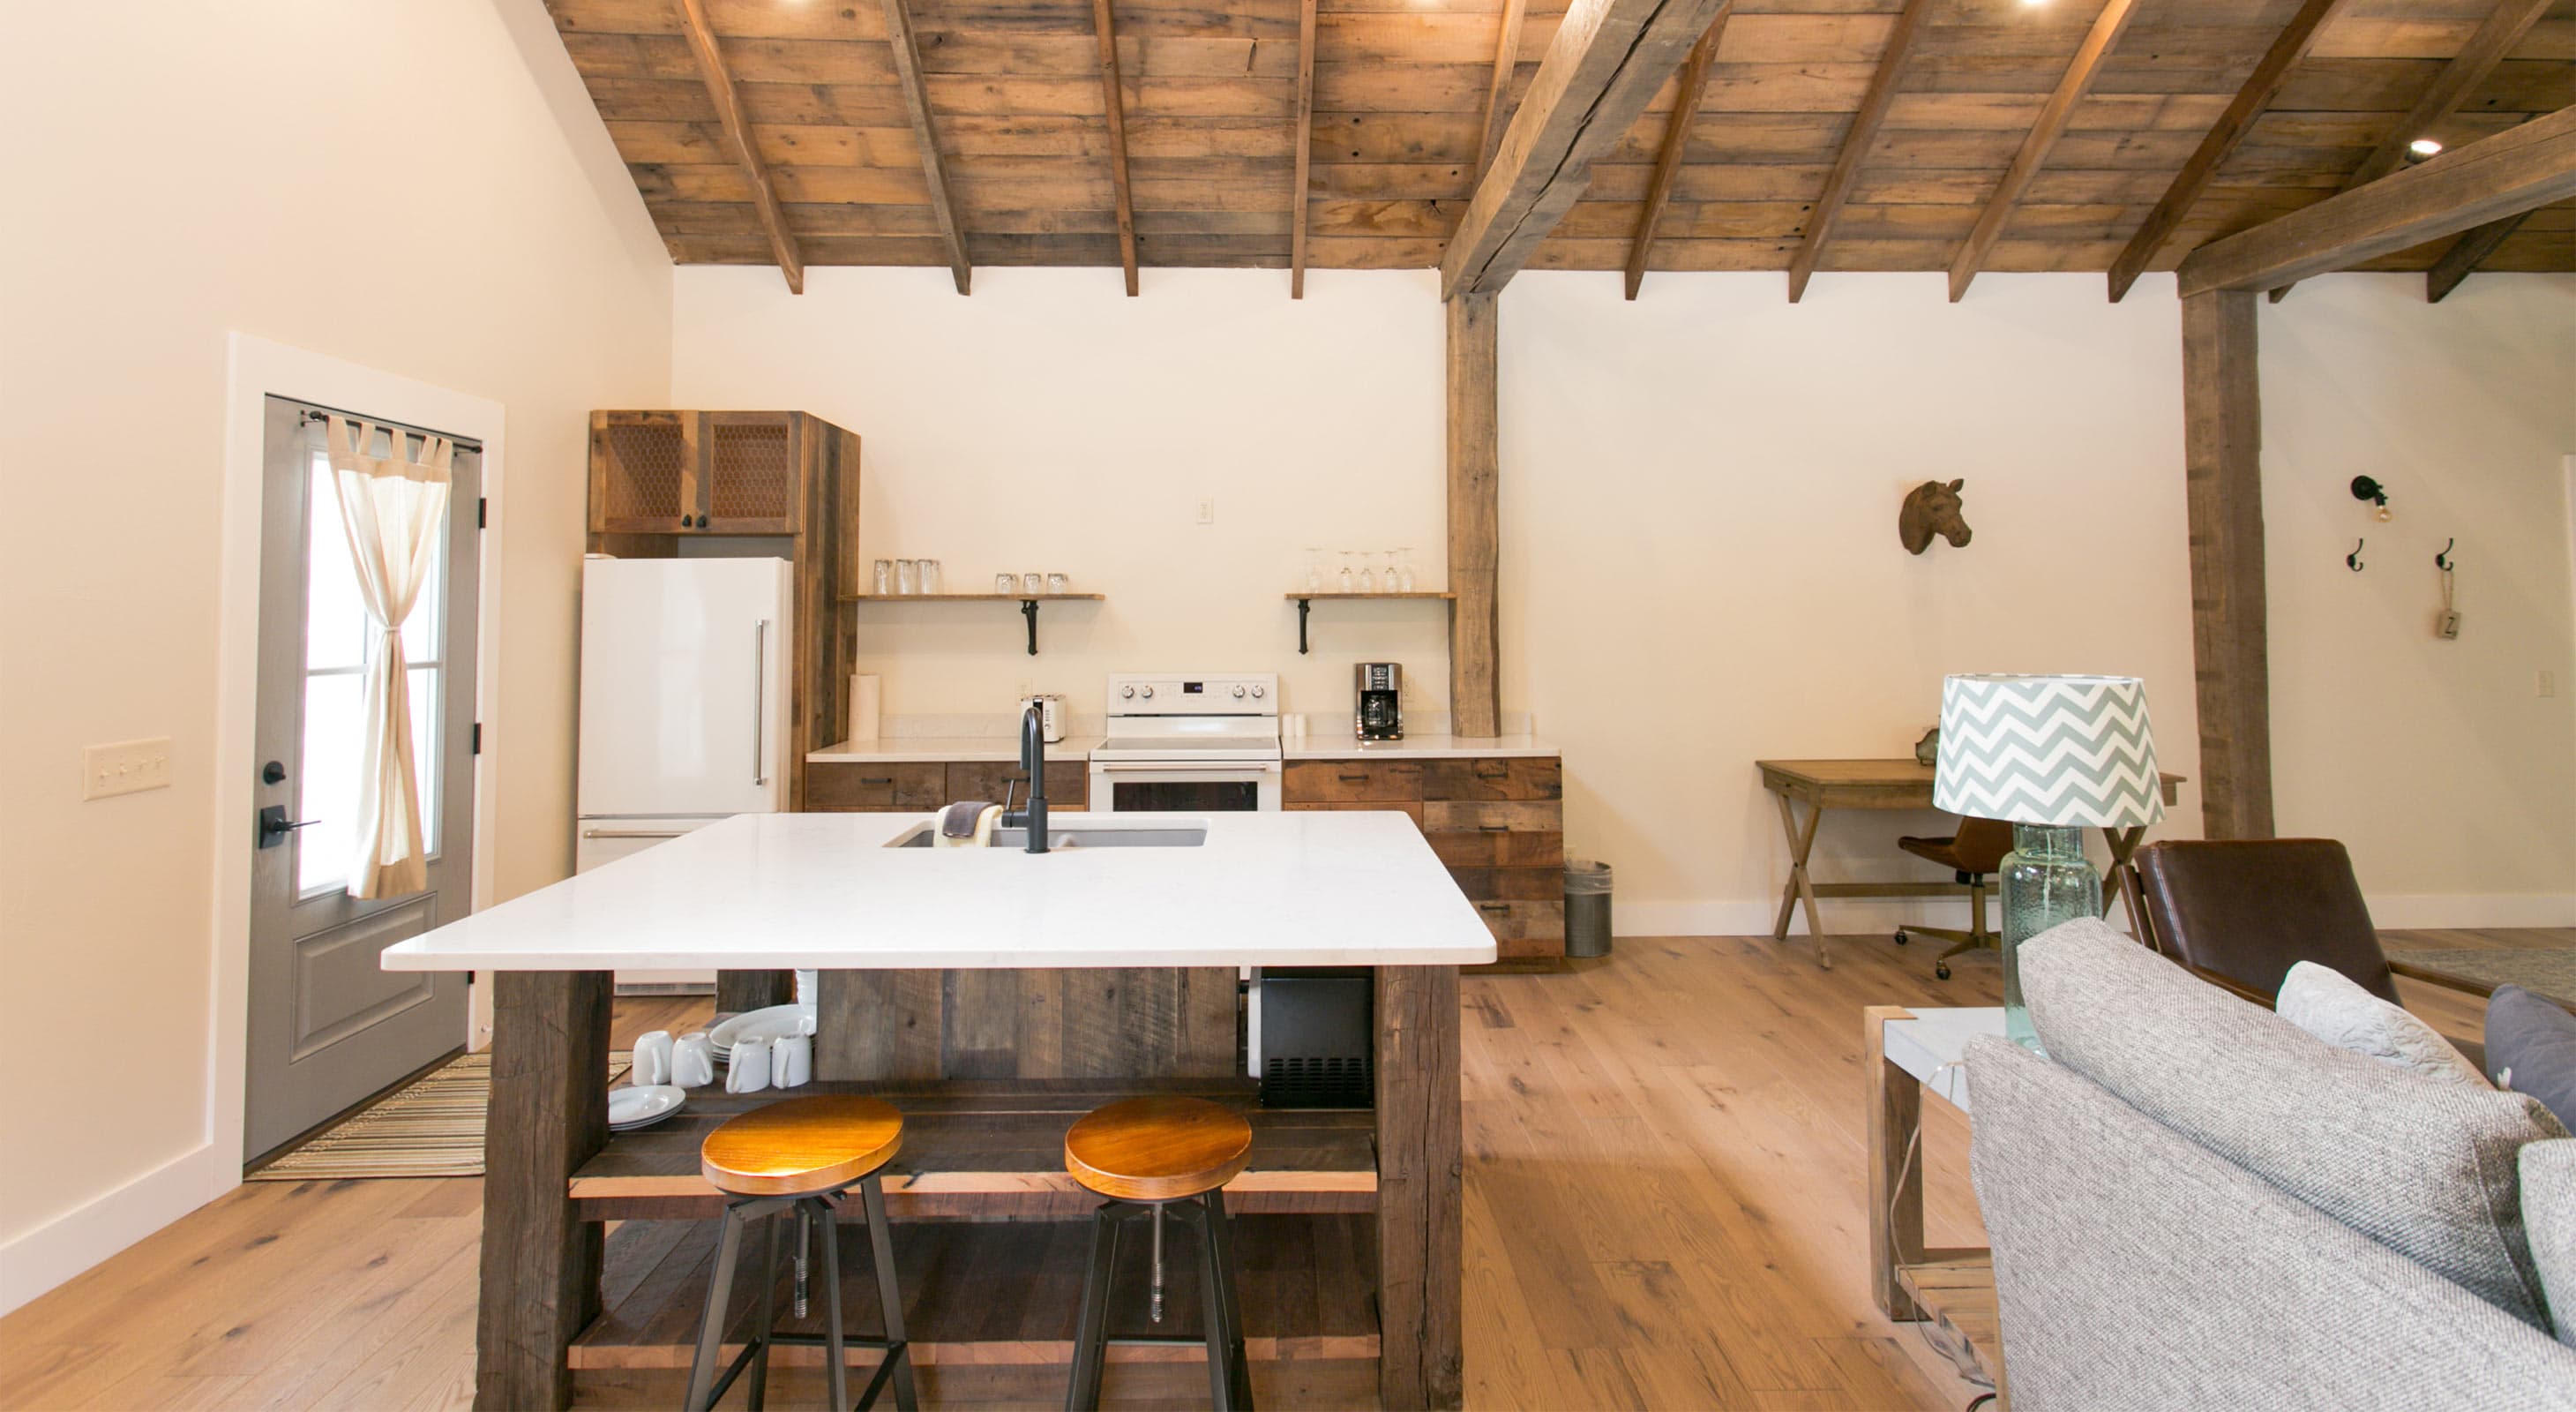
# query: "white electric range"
(1188, 744)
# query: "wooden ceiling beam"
(1114, 98)
(2504, 175)
(2053, 116)
(1857, 141)
(1668, 161)
(1304, 197)
(2466, 254)
(2270, 73)
(1498, 89)
(2495, 37)
(1604, 66)
(701, 37)
(916, 101)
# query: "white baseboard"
(33, 1262)
(1868, 915)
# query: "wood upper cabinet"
(690, 472)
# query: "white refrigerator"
(685, 704)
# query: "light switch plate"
(125, 768)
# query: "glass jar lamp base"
(2044, 881)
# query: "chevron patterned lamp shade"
(2047, 750)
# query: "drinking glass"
(1033, 582)
(1058, 583)
(885, 577)
(1314, 579)
(1006, 583)
(930, 576)
(907, 576)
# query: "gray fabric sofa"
(2153, 1249)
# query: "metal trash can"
(1587, 908)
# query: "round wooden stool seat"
(1157, 1149)
(801, 1146)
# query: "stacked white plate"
(776, 1022)
(642, 1105)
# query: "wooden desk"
(1880, 784)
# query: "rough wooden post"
(1475, 699)
(738, 991)
(2223, 458)
(548, 1115)
(1421, 1236)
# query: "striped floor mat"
(431, 1128)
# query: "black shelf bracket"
(1029, 609)
(1304, 606)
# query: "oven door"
(1167, 787)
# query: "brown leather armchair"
(2249, 909)
(1974, 853)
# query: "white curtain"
(392, 508)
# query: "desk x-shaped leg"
(1802, 841)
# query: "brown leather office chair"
(2249, 909)
(1974, 853)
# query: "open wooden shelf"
(997, 1292)
(993, 1149)
(1306, 601)
(1957, 1288)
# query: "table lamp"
(2051, 756)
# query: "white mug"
(748, 1070)
(791, 1061)
(652, 1060)
(693, 1060)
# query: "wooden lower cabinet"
(917, 787)
(1498, 824)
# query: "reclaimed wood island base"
(1350, 1220)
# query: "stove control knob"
(1258, 693)
(1149, 693)
(1238, 693)
(1127, 692)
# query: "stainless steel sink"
(1078, 836)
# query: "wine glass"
(1314, 579)
(1403, 570)
(1348, 578)
(1368, 573)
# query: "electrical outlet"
(125, 767)
(2544, 684)
(1207, 511)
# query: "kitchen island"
(892, 927)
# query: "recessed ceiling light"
(2423, 147)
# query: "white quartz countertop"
(923, 749)
(1418, 747)
(821, 891)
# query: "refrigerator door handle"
(760, 703)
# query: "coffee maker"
(1381, 710)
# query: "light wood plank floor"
(1664, 1193)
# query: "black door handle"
(274, 826)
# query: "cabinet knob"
(686, 521)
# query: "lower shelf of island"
(991, 1236)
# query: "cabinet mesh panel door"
(644, 470)
(752, 467)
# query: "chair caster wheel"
(1941, 969)
(1902, 938)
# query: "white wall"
(1050, 422)
(2463, 775)
(421, 188)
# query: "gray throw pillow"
(2531, 1048)
(2549, 1210)
(2327, 1004)
(2424, 1167)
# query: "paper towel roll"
(866, 697)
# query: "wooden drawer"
(1498, 848)
(1408, 808)
(1525, 928)
(842, 786)
(1526, 778)
(1068, 782)
(1351, 781)
(1513, 815)
(1511, 884)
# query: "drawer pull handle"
(1353, 779)
(1493, 906)
(1495, 828)
(877, 779)
(1495, 772)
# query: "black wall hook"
(2353, 559)
(2442, 560)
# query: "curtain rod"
(315, 411)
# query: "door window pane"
(333, 707)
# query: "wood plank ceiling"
(1400, 93)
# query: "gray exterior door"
(328, 1027)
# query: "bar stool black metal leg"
(836, 1354)
(889, 1293)
(1220, 1359)
(1090, 1340)
(768, 1324)
(702, 1368)
(1221, 1238)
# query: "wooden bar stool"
(798, 1156)
(1146, 1155)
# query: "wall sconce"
(2364, 488)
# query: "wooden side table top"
(1876, 784)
